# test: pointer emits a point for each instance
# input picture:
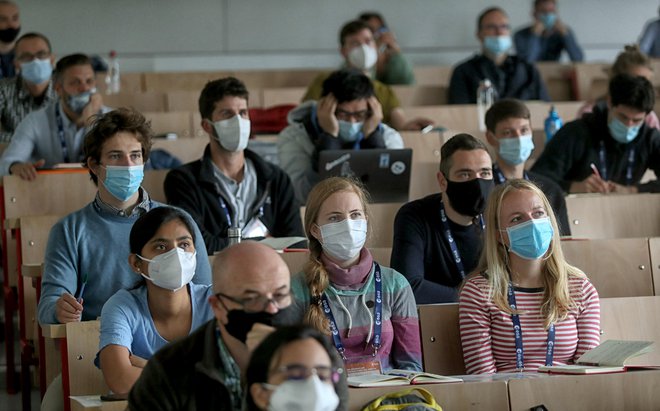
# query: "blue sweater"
(95, 242)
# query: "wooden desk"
(634, 390)
(492, 395)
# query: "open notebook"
(609, 356)
(398, 377)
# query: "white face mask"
(171, 270)
(233, 133)
(363, 57)
(310, 394)
(344, 240)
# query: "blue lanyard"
(500, 177)
(378, 314)
(60, 132)
(450, 238)
(225, 209)
(517, 334)
(602, 158)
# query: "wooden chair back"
(614, 216)
(619, 267)
(441, 339)
(143, 101)
(632, 318)
(82, 344)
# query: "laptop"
(384, 172)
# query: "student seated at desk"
(633, 62)
(525, 306)
(610, 149)
(338, 288)
(294, 368)
(163, 307)
(347, 117)
(84, 264)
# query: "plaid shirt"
(16, 102)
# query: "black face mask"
(239, 322)
(469, 197)
(9, 35)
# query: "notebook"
(384, 172)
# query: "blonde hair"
(557, 301)
(630, 57)
(316, 276)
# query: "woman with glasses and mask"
(368, 310)
(164, 306)
(294, 368)
(526, 306)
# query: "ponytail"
(317, 280)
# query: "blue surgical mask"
(516, 150)
(621, 133)
(497, 45)
(531, 239)
(349, 132)
(548, 20)
(78, 102)
(37, 71)
(123, 181)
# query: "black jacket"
(515, 78)
(184, 375)
(570, 153)
(194, 188)
(421, 252)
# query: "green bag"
(413, 399)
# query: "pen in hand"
(595, 170)
(82, 288)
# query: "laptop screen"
(384, 172)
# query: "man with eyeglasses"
(55, 133)
(511, 76)
(251, 283)
(609, 149)
(231, 186)
(348, 116)
(32, 89)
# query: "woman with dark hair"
(161, 308)
(293, 369)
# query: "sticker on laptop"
(332, 164)
(398, 167)
(384, 160)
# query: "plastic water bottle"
(112, 79)
(486, 96)
(234, 235)
(552, 123)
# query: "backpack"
(413, 399)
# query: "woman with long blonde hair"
(526, 306)
(369, 310)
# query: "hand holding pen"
(592, 184)
(69, 308)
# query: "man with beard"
(55, 133)
(438, 238)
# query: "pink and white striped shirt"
(487, 332)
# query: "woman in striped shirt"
(527, 306)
